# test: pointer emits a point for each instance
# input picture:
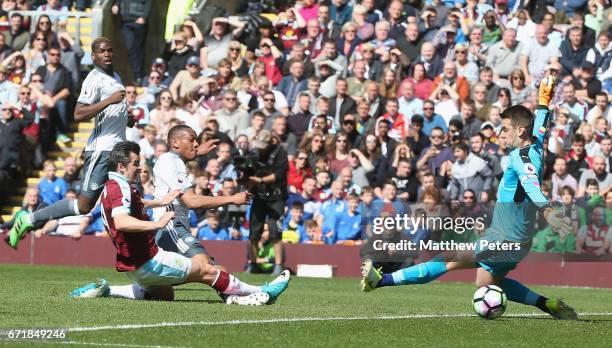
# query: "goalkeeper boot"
(370, 276)
(256, 299)
(21, 226)
(560, 309)
(98, 289)
(277, 286)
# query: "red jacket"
(296, 177)
(273, 72)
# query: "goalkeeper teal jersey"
(519, 195)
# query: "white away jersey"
(170, 173)
(110, 122)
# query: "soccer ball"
(490, 302)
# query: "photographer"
(266, 168)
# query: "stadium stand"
(389, 105)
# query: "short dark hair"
(519, 116)
(578, 138)
(480, 135)
(97, 42)
(121, 154)
(462, 146)
(592, 182)
(178, 130)
(297, 205)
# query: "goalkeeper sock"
(227, 284)
(518, 292)
(417, 274)
(132, 292)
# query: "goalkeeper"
(518, 198)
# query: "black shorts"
(177, 238)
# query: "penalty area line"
(305, 319)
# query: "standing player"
(519, 197)
(103, 98)
(154, 270)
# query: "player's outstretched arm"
(150, 203)
(195, 201)
(542, 113)
(84, 112)
(128, 224)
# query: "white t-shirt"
(170, 173)
(110, 122)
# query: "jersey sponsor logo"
(542, 130)
(529, 168)
(94, 186)
(189, 239)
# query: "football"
(490, 302)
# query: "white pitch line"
(79, 343)
(290, 320)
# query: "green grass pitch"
(434, 315)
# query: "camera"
(248, 165)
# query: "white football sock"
(132, 291)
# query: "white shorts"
(165, 268)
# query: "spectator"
(592, 237)
(431, 62)
(410, 43)
(330, 209)
(599, 173)
(537, 54)
(272, 59)
(52, 188)
(486, 78)
(586, 85)
(177, 53)
(374, 66)
(298, 54)
(519, 90)
(147, 143)
(165, 110)
(342, 103)
(293, 84)
(31, 202)
(348, 40)
(573, 52)
(357, 82)
(57, 82)
(465, 67)
(349, 127)
(577, 159)
(71, 56)
(375, 100)
(503, 56)
(212, 230)
(218, 42)
(312, 206)
(492, 30)
(16, 37)
(312, 233)
(561, 179)
(577, 108)
(389, 84)
(428, 27)
(330, 54)
(601, 109)
(340, 12)
(347, 224)
(188, 79)
(438, 153)
(232, 119)
(523, 25)
(469, 172)
(365, 123)
(299, 170)
(8, 90)
(11, 129)
(134, 18)
(365, 29)
(293, 226)
(450, 79)
(297, 123)
(224, 157)
(72, 176)
(398, 123)
(44, 26)
(600, 55)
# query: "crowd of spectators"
(384, 107)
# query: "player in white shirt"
(103, 98)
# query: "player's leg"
(177, 238)
(517, 292)
(96, 174)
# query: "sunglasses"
(24, 93)
(236, 49)
(44, 23)
(351, 122)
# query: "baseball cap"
(449, 29)
(487, 124)
(262, 140)
(193, 60)
(158, 61)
